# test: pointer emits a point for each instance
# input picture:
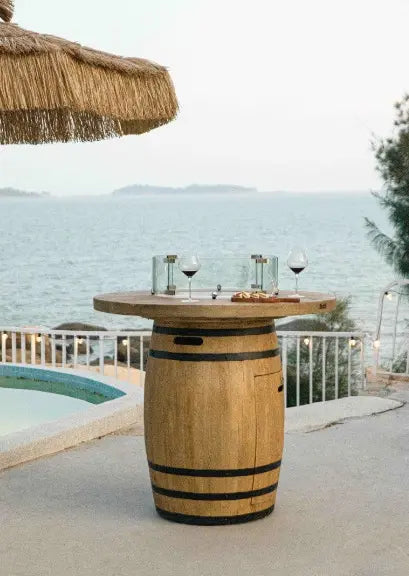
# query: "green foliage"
(392, 158)
(338, 320)
(399, 363)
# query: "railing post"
(116, 357)
(141, 366)
(23, 348)
(324, 366)
(42, 349)
(128, 357)
(88, 352)
(362, 362)
(14, 348)
(3, 347)
(336, 391)
(298, 372)
(53, 352)
(101, 354)
(75, 350)
(33, 348)
(375, 361)
(395, 327)
(64, 350)
(311, 383)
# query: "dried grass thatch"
(6, 10)
(53, 90)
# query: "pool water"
(25, 403)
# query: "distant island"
(141, 189)
(14, 193)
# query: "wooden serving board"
(253, 300)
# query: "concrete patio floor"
(342, 509)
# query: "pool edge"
(54, 436)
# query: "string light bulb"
(80, 340)
(125, 342)
(377, 344)
(307, 341)
(352, 342)
(389, 296)
(39, 338)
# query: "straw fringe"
(50, 126)
(68, 92)
(6, 10)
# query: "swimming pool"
(29, 396)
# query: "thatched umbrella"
(53, 90)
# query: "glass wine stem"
(190, 289)
(296, 283)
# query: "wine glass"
(189, 265)
(297, 261)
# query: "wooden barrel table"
(214, 403)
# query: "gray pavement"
(343, 509)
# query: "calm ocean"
(56, 254)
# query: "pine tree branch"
(385, 245)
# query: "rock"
(27, 360)
(134, 357)
(134, 351)
(302, 324)
(28, 338)
(81, 347)
(108, 360)
(80, 327)
(135, 341)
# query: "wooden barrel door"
(214, 420)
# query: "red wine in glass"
(297, 270)
(297, 262)
(189, 265)
(189, 273)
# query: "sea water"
(57, 253)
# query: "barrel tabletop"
(158, 307)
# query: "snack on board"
(261, 298)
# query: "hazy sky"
(275, 94)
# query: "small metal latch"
(216, 294)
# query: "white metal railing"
(317, 366)
(322, 366)
(98, 351)
(393, 361)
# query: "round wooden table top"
(160, 307)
